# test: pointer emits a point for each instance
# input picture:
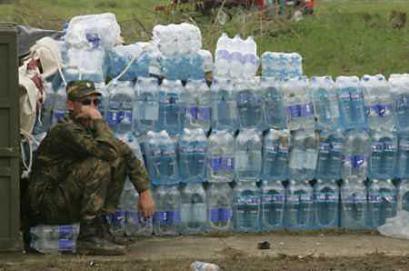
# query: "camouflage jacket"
(69, 142)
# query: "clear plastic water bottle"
(236, 58)
(300, 110)
(382, 160)
(54, 238)
(357, 149)
(222, 56)
(146, 107)
(249, 104)
(167, 218)
(248, 155)
(246, 205)
(192, 154)
(399, 86)
(403, 199)
(326, 204)
(198, 105)
(193, 209)
(303, 155)
(224, 107)
(203, 266)
(250, 59)
(172, 108)
(274, 111)
(272, 205)
(276, 155)
(221, 163)
(330, 155)
(354, 205)
(379, 102)
(382, 197)
(60, 104)
(403, 156)
(136, 224)
(298, 213)
(161, 162)
(325, 102)
(120, 106)
(351, 102)
(219, 206)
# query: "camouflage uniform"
(79, 173)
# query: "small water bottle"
(298, 206)
(202, 266)
(219, 206)
(246, 207)
(272, 205)
(354, 205)
(326, 205)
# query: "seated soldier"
(79, 173)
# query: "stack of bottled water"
(180, 46)
(54, 239)
(235, 57)
(86, 40)
(281, 66)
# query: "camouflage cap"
(80, 88)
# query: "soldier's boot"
(90, 241)
(106, 233)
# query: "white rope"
(29, 139)
(123, 71)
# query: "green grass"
(344, 37)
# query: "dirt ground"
(289, 251)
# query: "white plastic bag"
(396, 227)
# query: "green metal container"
(9, 140)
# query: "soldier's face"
(77, 107)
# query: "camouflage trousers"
(93, 187)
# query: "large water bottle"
(221, 163)
(219, 206)
(354, 205)
(325, 102)
(249, 104)
(161, 162)
(248, 155)
(120, 106)
(403, 156)
(275, 155)
(382, 160)
(193, 209)
(300, 110)
(272, 205)
(403, 199)
(298, 213)
(379, 102)
(249, 58)
(382, 197)
(357, 148)
(60, 104)
(351, 102)
(399, 86)
(326, 204)
(146, 108)
(222, 56)
(274, 110)
(171, 107)
(198, 105)
(236, 58)
(303, 155)
(192, 153)
(330, 155)
(54, 239)
(167, 218)
(246, 207)
(136, 224)
(224, 107)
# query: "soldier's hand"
(146, 204)
(91, 112)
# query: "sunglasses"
(96, 102)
